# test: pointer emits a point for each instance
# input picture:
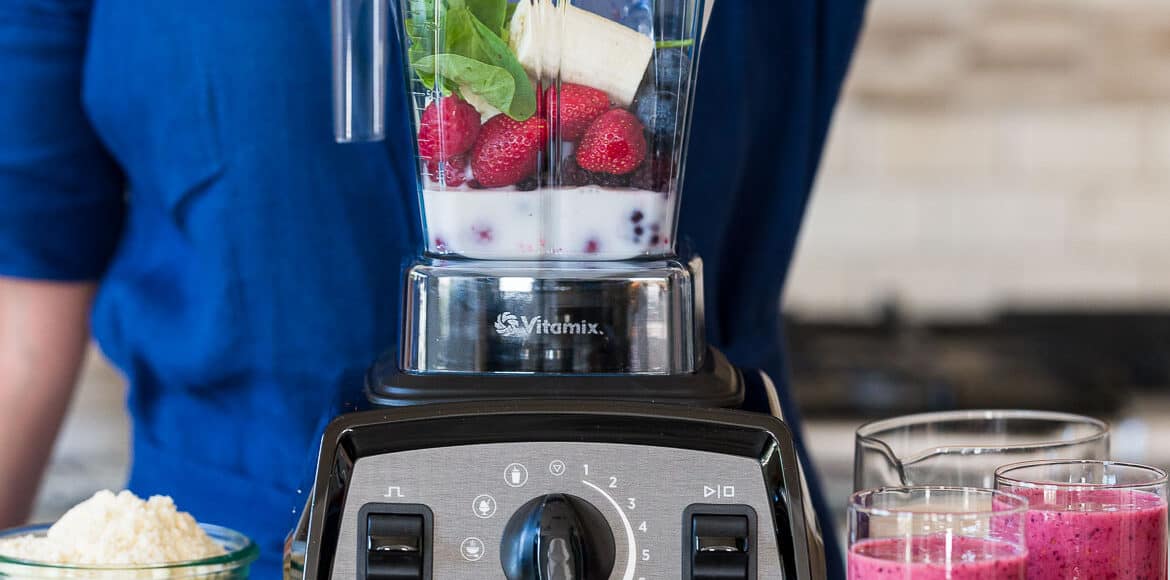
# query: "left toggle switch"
(396, 547)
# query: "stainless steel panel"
(473, 490)
(552, 317)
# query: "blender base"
(463, 469)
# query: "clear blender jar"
(544, 129)
(550, 137)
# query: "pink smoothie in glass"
(937, 557)
(1091, 534)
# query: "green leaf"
(673, 43)
(467, 36)
(508, 19)
(492, 13)
(483, 54)
(420, 29)
(494, 84)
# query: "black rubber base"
(716, 384)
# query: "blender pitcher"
(544, 130)
(550, 137)
(964, 448)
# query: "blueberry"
(572, 175)
(610, 180)
(670, 69)
(655, 174)
(657, 110)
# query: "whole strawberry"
(613, 144)
(448, 127)
(507, 150)
(575, 107)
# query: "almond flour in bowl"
(119, 537)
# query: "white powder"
(120, 529)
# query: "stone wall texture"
(992, 154)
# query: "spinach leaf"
(492, 13)
(494, 84)
(524, 103)
(467, 36)
(420, 30)
(506, 32)
(472, 55)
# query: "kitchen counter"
(92, 451)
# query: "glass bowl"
(234, 565)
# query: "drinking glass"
(1091, 519)
(964, 448)
(928, 533)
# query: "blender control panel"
(476, 512)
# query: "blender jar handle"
(360, 34)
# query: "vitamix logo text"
(508, 324)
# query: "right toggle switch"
(720, 543)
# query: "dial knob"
(557, 537)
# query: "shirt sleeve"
(62, 197)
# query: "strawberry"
(507, 150)
(449, 127)
(576, 107)
(613, 144)
(452, 172)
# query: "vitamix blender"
(554, 411)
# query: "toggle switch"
(720, 543)
(396, 546)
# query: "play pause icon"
(718, 491)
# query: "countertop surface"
(92, 452)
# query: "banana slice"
(582, 47)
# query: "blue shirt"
(250, 268)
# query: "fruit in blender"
(658, 110)
(614, 144)
(581, 47)
(508, 151)
(452, 172)
(670, 68)
(572, 109)
(449, 126)
(654, 174)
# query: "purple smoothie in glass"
(1100, 533)
(969, 559)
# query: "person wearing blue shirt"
(170, 184)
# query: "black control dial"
(557, 537)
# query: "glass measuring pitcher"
(544, 129)
(964, 448)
